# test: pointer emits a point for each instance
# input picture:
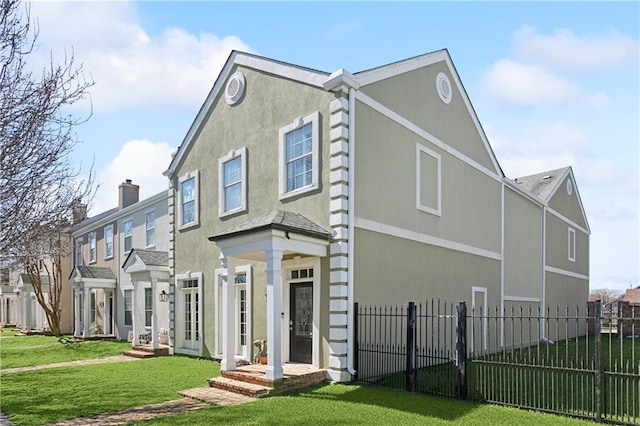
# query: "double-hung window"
(299, 156)
(92, 247)
(232, 182)
(188, 196)
(108, 241)
(127, 233)
(148, 306)
(128, 307)
(150, 227)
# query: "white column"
(154, 313)
(134, 314)
(274, 311)
(76, 313)
(26, 311)
(86, 310)
(228, 316)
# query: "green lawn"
(45, 396)
(366, 405)
(25, 351)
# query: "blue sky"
(553, 84)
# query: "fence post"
(355, 340)
(411, 347)
(461, 352)
(596, 360)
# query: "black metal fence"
(556, 360)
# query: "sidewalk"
(116, 358)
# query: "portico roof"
(277, 220)
(93, 277)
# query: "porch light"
(164, 296)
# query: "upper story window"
(92, 247)
(127, 232)
(108, 241)
(188, 196)
(78, 257)
(571, 242)
(150, 227)
(232, 182)
(299, 156)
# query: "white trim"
(522, 299)
(382, 228)
(351, 230)
(147, 212)
(566, 273)
(196, 208)
(314, 120)
(571, 244)
(92, 237)
(484, 316)
(442, 78)
(104, 238)
(502, 238)
(220, 273)
(233, 99)
(543, 295)
(179, 314)
(428, 209)
(424, 134)
(292, 72)
(122, 248)
(232, 155)
(568, 221)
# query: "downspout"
(351, 232)
(543, 302)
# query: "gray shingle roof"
(27, 280)
(94, 219)
(153, 257)
(277, 219)
(96, 272)
(542, 184)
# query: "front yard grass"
(46, 396)
(338, 404)
(27, 351)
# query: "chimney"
(128, 194)
(78, 211)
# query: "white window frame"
(108, 228)
(79, 259)
(196, 206)
(220, 276)
(242, 153)
(179, 314)
(147, 229)
(437, 211)
(571, 244)
(124, 235)
(483, 314)
(92, 245)
(148, 308)
(124, 307)
(299, 122)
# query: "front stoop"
(146, 352)
(250, 380)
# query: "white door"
(190, 316)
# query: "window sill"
(108, 257)
(298, 192)
(152, 246)
(187, 226)
(234, 212)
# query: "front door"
(301, 322)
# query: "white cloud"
(143, 162)
(520, 84)
(568, 51)
(130, 66)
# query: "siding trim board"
(521, 299)
(568, 221)
(566, 273)
(392, 115)
(393, 231)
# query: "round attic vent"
(235, 88)
(444, 87)
(569, 187)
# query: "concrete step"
(249, 389)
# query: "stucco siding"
(393, 271)
(386, 184)
(522, 246)
(557, 247)
(413, 95)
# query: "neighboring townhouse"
(8, 298)
(109, 300)
(296, 193)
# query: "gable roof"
(277, 219)
(95, 272)
(25, 280)
(149, 257)
(294, 72)
(632, 295)
(543, 184)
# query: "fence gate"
(414, 347)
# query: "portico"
(87, 282)
(276, 238)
